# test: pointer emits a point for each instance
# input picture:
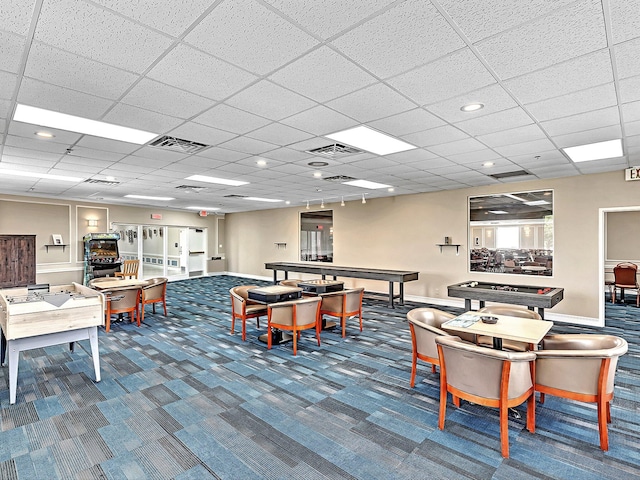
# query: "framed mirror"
(512, 233)
(316, 236)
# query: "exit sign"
(156, 216)
(632, 173)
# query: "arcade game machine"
(101, 255)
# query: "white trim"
(59, 270)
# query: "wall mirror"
(316, 236)
(512, 233)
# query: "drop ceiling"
(268, 79)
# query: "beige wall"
(623, 237)
(402, 233)
(42, 217)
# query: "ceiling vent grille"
(178, 144)
(235, 196)
(101, 182)
(191, 188)
(517, 173)
(335, 150)
(339, 179)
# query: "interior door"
(197, 251)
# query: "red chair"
(625, 275)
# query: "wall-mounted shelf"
(457, 245)
(55, 245)
(280, 245)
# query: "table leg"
(3, 348)
(401, 284)
(541, 312)
(481, 303)
(95, 352)
(277, 337)
(14, 357)
(467, 304)
(391, 294)
(275, 277)
(497, 343)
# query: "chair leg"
(244, 329)
(360, 320)
(443, 404)
(233, 324)
(414, 367)
(456, 401)
(154, 308)
(608, 412)
(531, 412)
(433, 368)
(504, 430)
(542, 398)
(344, 326)
(602, 424)
(295, 342)
(164, 305)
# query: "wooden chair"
(242, 308)
(625, 276)
(129, 269)
(120, 301)
(343, 304)
(294, 316)
(154, 292)
(581, 367)
(484, 376)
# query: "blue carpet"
(182, 398)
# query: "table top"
(126, 282)
(509, 328)
(320, 282)
(534, 268)
(275, 290)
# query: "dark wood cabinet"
(17, 260)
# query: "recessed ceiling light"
(366, 184)
(318, 164)
(45, 134)
(537, 202)
(261, 163)
(472, 107)
(221, 181)
(366, 138)
(287, 202)
(488, 164)
(391, 189)
(148, 197)
(71, 123)
(208, 209)
(317, 174)
(259, 199)
(595, 151)
(46, 176)
(498, 212)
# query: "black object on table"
(274, 294)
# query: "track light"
(363, 199)
(342, 202)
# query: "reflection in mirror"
(316, 236)
(512, 233)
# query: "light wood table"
(525, 330)
(115, 284)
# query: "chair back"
(424, 324)
(124, 299)
(129, 269)
(155, 289)
(511, 311)
(300, 313)
(625, 274)
(343, 301)
(240, 295)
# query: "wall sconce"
(322, 204)
(363, 199)
(92, 223)
(342, 202)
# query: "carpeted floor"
(182, 398)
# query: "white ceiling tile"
(435, 136)
(44, 95)
(494, 98)
(11, 48)
(224, 154)
(288, 155)
(28, 130)
(279, 134)
(270, 101)
(371, 103)
(32, 144)
(322, 75)
(251, 36)
(408, 35)
(625, 19)
(500, 165)
(583, 121)
(72, 26)
(459, 146)
(407, 122)
(171, 17)
(445, 78)
(30, 158)
(373, 163)
(15, 16)
(7, 85)
(196, 132)
(197, 72)
(589, 136)
(71, 71)
(632, 128)
(567, 33)
(203, 162)
(134, 117)
(555, 172)
(320, 120)
(101, 157)
(4, 104)
(476, 156)
(514, 117)
(631, 111)
(231, 119)
(248, 145)
(630, 89)
(574, 103)
(626, 55)
(481, 19)
(327, 18)
(152, 95)
(531, 148)
(540, 159)
(633, 141)
(107, 144)
(570, 76)
(600, 166)
(515, 135)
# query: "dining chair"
(511, 311)
(129, 269)
(425, 326)
(343, 304)
(243, 308)
(488, 377)
(120, 301)
(294, 316)
(625, 276)
(154, 292)
(581, 367)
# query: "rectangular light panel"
(46, 176)
(71, 123)
(595, 151)
(146, 197)
(208, 209)
(366, 184)
(366, 138)
(259, 199)
(220, 181)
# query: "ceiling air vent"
(178, 144)
(517, 173)
(235, 196)
(191, 188)
(101, 182)
(339, 179)
(335, 150)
